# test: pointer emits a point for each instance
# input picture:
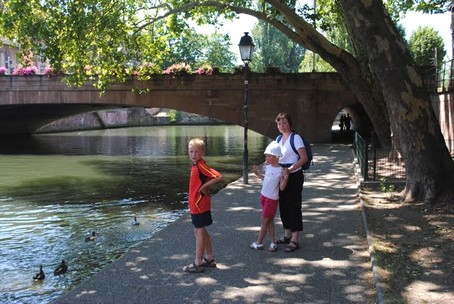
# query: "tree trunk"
(360, 82)
(430, 169)
(452, 28)
(368, 94)
(303, 33)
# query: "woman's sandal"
(209, 263)
(193, 268)
(292, 246)
(283, 240)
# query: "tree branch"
(301, 32)
(309, 37)
(222, 7)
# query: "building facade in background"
(9, 58)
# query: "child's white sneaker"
(256, 246)
(273, 247)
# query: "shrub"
(3, 70)
(50, 71)
(207, 69)
(272, 70)
(178, 69)
(238, 70)
(146, 69)
(25, 71)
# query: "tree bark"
(430, 169)
(452, 28)
(349, 68)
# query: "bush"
(50, 71)
(3, 70)
(178, 69)
(207, 69)
(272, 70)
(25, 71)
(146, 69)
(239, 70)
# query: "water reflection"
(55, 189)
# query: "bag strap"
(292, 142)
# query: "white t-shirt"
(270, 187)
(290, 157)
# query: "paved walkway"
(332, 266)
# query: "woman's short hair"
(284, 115)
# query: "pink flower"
(207, 70)
(51, 71)
(178, 69)
(25, 71)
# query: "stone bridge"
(313, 99)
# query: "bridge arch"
(360, 122)
(313, 100)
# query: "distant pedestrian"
(347, 121)
(202, 177)
(290, 198)
(342, 123)
(274, 179)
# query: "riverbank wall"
(124, 118)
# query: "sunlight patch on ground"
(412, 228)
(179, 257)
(86, 292)
(421, 290)
(255, 228)
(240, 209)
(203, 281)
(250, 294)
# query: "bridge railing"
(439, 79)
(377, 163)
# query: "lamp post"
(246, 49)
(315, 27)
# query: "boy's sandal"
(273, 247)
(193, 268)
(283, 240)
(209, 263)
(292, 247)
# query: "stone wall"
(122, 118)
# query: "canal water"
(55, 189)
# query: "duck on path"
(61, 269)
(40, 275)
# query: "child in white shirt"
(274, 179)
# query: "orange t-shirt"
(199, 203)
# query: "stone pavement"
(332, 266)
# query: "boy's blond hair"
(198, 142)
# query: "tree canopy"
(272, 48)
(110, 36)
(199, 49)
(426, 46)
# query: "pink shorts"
(269, 206)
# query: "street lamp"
(315, 27)
(246, 49)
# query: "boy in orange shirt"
(202, 176)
